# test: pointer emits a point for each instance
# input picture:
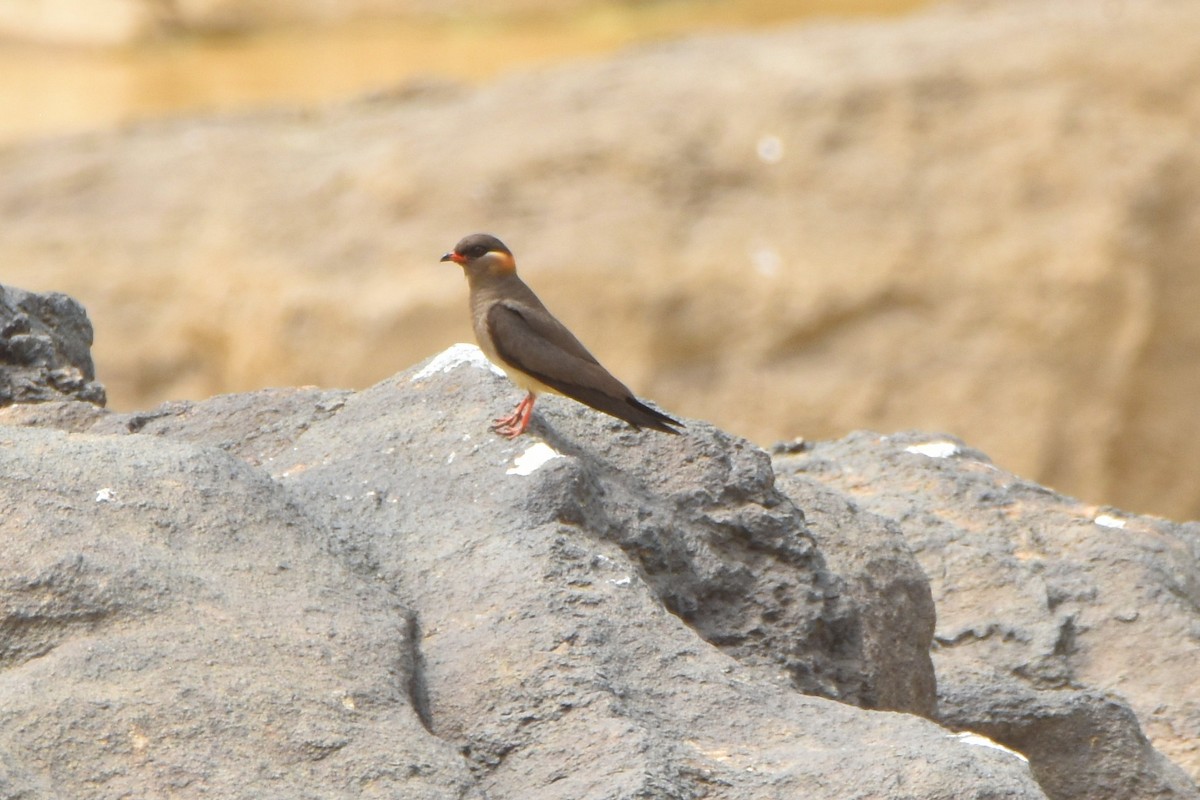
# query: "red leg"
(517, 422)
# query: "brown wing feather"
(534, 342)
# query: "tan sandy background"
(790, 219)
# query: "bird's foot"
(517, 422)
(508, 431)
(512, 428)
(506, 422)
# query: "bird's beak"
(455, 257)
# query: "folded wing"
(534, 342)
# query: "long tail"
(639, 414)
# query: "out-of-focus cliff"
(982, 218)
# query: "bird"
(537, 352)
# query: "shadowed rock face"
(45, 349)
(370, 589)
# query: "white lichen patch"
(454, 357)
(942, 449)
(106, 495)
(533, 459)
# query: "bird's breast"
(484, 338)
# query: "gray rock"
(399, 602)
(602, 625)
(253, 426)
(65, 415)
(1038, 587)
(897, 612)
(172, 625)
(1081, 744)
(45, 349)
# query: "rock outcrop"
(45, 349)
(1060, 625)
(305, 592)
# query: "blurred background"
(793, 219)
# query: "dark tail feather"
(641, 415)
(622, 406)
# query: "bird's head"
(482, 254)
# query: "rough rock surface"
(171, 624)
(870, 555)
(797, 232)
(369, 593)
(1081, 744)
(1077, 609)
(45, 349)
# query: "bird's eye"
(477, 251)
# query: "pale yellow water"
(49, 90)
